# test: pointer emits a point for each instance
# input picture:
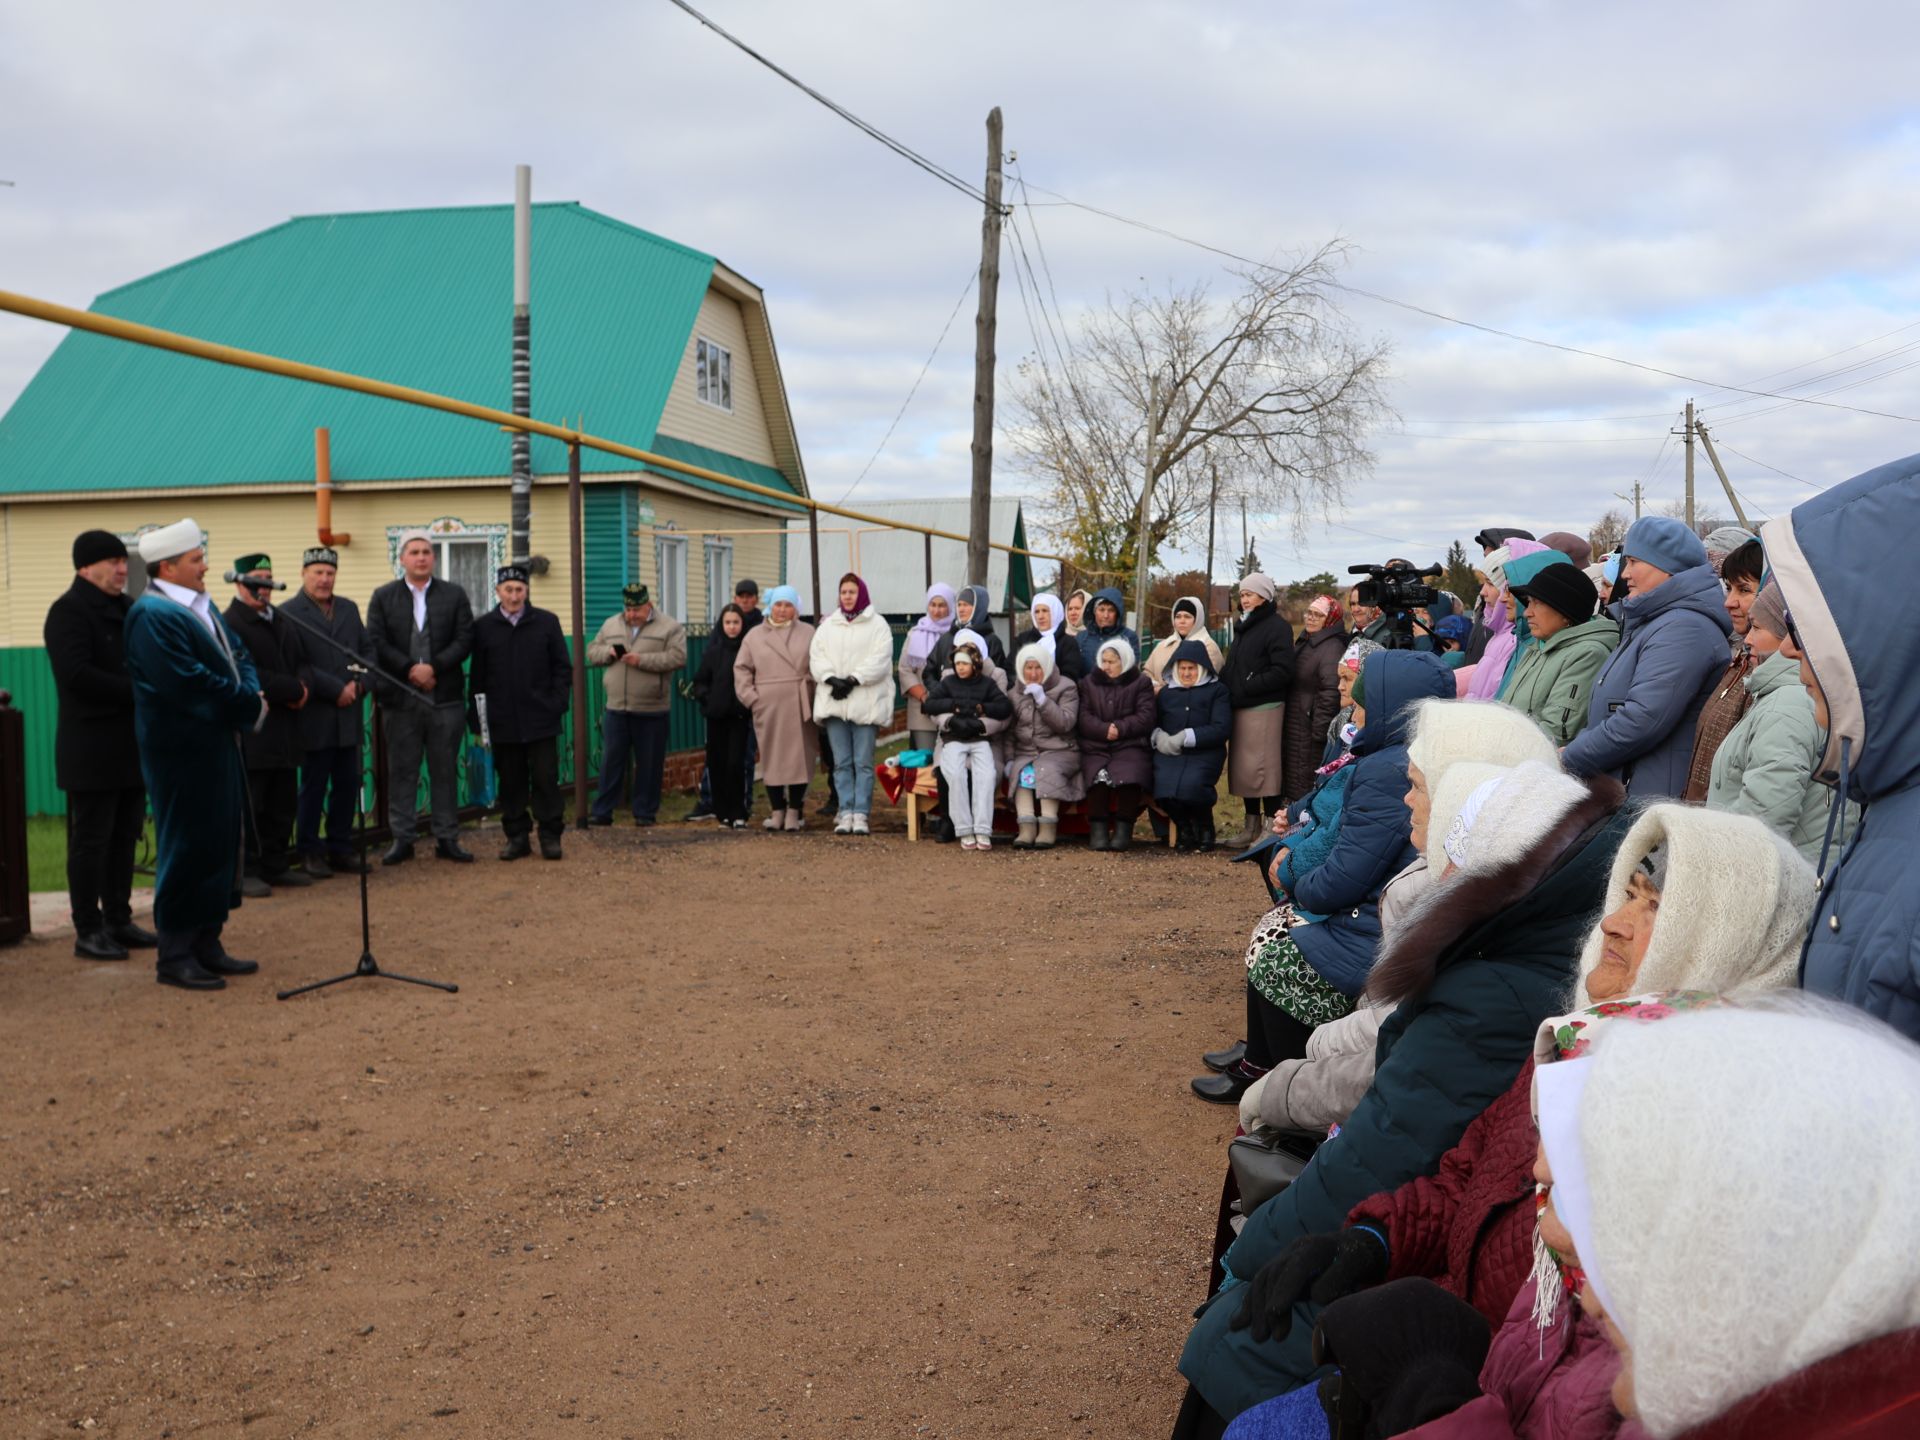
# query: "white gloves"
(1166, 744)
(1186, 738)
(1250, 1104)
(1038, 692)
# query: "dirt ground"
(724, 1135)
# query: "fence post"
(16, 916)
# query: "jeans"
(969, 768)
(643, 735)
(103, 831)
(414, 730)
(852, 764)
(328, 779)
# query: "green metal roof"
(417, 297)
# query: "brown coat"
(1311, 705)
(771, 678)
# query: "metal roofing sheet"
(894, 562)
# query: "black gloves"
(1320, 1268)
(1408, 1352)
(841, 685)
(965, 727)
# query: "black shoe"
(1122, 835)
(549, 847)
(188, 975)
(644, 820)
(518, 847)
(225, 964)
(1208, 836)
(1228, 1086)
(593, 820)
(98, 945)
(254, 888)
(347, 865)
(290, 880)
(1098, 835)
(398, 853)
(1222, 1059)
(1187, 837)
(316, 868)
(453, 850)
(701, 813)
(945, 834)
(132, 936)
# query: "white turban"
(171, 540)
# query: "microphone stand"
(368, 968)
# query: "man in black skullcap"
(331, 722)
(96, 759)
(273, 751)
(521, 682)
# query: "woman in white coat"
(852, 665)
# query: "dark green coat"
(192, 700)
(1481, 970)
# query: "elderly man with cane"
(194, 693)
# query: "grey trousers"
(412, 731)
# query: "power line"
(1775, 468)
(1517, 440)
(904, 151)
(972, 276)
(1445, 318)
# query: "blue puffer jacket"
(1647, 700)
(1092, 639)
(1373, 844)
(1845, 566)
(1206, 710)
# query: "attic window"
(713, 374)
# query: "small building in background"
(894, 563)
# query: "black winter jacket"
(1259, 665)
(526, 674)
(713, 681)
(1066, 653)
(280, 658)
(969, 702)
(93, 743)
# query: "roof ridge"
(192, 260)
(432, 210)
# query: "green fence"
(25, 673)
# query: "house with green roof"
(634, 337)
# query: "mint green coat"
(1764, 768)
(1555, 679)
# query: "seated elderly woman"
(1737, 1298)
(1697, 901)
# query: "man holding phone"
(640, 648)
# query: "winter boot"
(1024, 840)
(1097, 833)
(1049, 832)
(1208, 839)
(1122, 833)
(777, 820)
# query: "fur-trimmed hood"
(1454, 907)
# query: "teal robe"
(190, 702)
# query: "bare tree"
(1269, 395)
(1705, 522)
(1609, 531)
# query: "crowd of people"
(1578, 1090)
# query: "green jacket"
(1555, 679)
(1764, 768)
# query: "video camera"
(1396, 586)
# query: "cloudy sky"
(1727, 191)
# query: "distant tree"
(1164, 590)
(1459, 578)
(1609, 531)
(1325, 583)
(1705, 521)
(1249, 562)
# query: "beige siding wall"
(742, 432)
(757, 555)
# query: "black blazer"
(449, 635)
(324, 725)
(526, 674)
(93, 742)
(280, 659)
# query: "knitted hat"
(1769, 610)
(1564, 589)
(1520, 803)
(171, 541)
(1723, 542)
(1460, 828)
(1497, 536)
(1035, 651)
(1664, 543)
(1259, 584)
(1579, 551)
(1733, 911)
(1192, 607)
(1724, 1268)
(1357, 691)
(92, 546)
(1442, 734)
(1119, 647)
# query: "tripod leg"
(412, 980)
(316, 985)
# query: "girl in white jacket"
(852, 661)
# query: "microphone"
(235, 578)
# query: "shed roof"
(894, 562)
(417, 297)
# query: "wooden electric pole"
(1143, 520)
(1638, 490)
(1725, 484)
(980, 514)
(1213, 503)
(1689, 465)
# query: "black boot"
(1221, 1059)
(1122, 833)
(1228, 1086)
(518, 847)
(1188, 838)
(1097, 833)
(1208, 839)
(550, 845)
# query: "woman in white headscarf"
(1048, 629)
(927, 632)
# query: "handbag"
(1265, 1164)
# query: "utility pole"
(1142, 539)
(1638, 488)
(520, 540)
(1721, 470)
(1246, 541)
(980, 514)
(1213, 500)
(1690, 429)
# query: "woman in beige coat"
(773, 680)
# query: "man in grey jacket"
(641, 649)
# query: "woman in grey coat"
(1043, 739)
(1645, 704)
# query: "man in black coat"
(96, 759)
(422, 629)
(332, 721)
(523, 677)
(272, 752)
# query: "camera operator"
(1391, 595)
(332, 722)
(273, 751)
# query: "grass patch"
(47, 854)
